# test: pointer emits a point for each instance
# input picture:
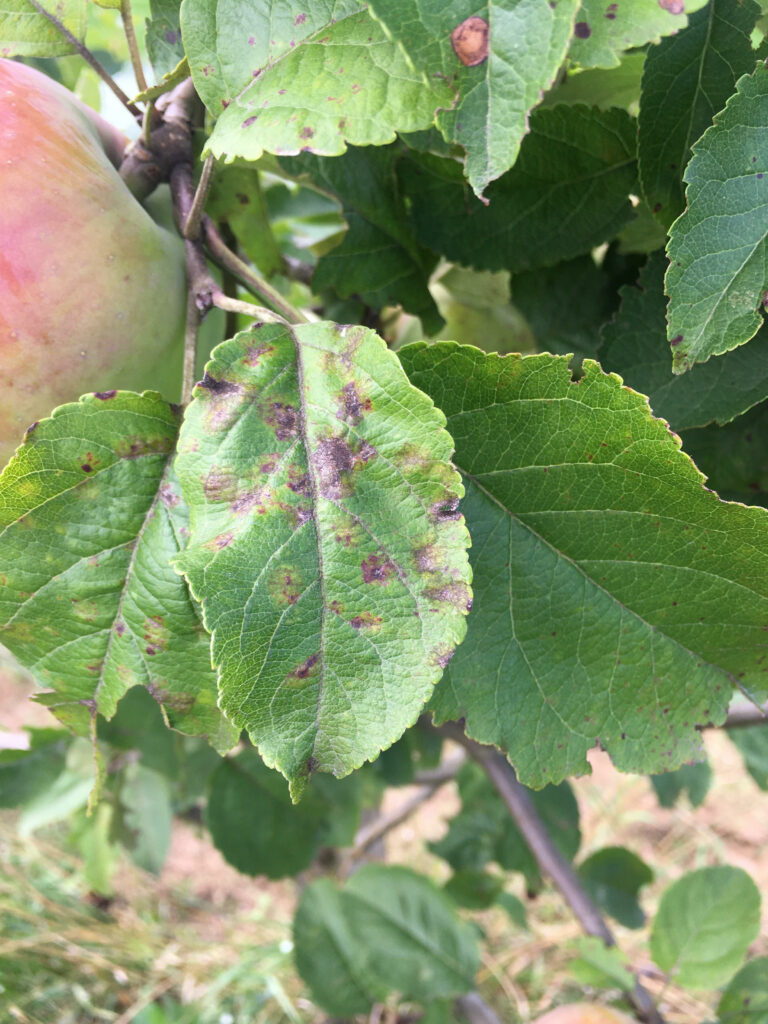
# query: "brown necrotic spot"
(306, 132)
(376, 569)
(298, 479)
(582, 30)
(352, 405)
(673, 6)
(284, 420)
(470, 41)
(219, 485)
(676, 340)
(104, 395)
(367, 621)
(445, 510)
(305, 669)
(457, 594)
(168, 496)
(441, 656)
(253, 355)
(218, 387)
(333, 459)
(285, 584)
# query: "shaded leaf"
(329, 956)
(734, 457)
(164, 46)
(615, 597)
(603, 30)
(745, 1000)
(254, 825)
(24, 774)
(378, 259)
(601, 966)
(613, 877)
(717, 248)
(514, 908)
(236, 198)
(68, 792)
(498, 56)
(567, 193)
(476, 890)
(752, 744)
(90, 515)
(635, 346)
(24, 32)
(687, 79)
(693, 779)
(602, 87)
(138, 725)
(296, 77)
(477, 311)
(147, 816)
(704, 925)
(325, 544)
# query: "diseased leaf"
(693, 779)
(704, 925)
(90, 515)
(499, 58)
(745, 1000)
(325, 543)
(378, 259)
(613, 876)
(717, 249)
(292, 77)
(687, 79)
(635, 346)
(734, 458)
(603, 30)
(24, 32)
(236, 197)
(164, 46)
(567, 193)
(615, 597)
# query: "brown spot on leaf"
(218, 387)
(285, 584)
(676, 340)
(223, 540)
(332, 459)
(220, 485)
(298, 479)
(249, 121)
(104, 395)
(283, 418)
(376, 569)
(168, 496)
(582, 30)
(441, 656)
(470, 41)
(442, 511)
(457, 594)
(119, 628)
(303, 671)
(306, 132)
(300, 19)
(673, 6)
(367, 621)
(352, 405)
(610, 11)
(253, 355)
(156, 633)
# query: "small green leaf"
(90, 514)
(687, 79)
(378, 259)
(693, 779)
(24, 774)
(68, 792)
(514, 908)
(601, 966)
(100, 853)
(745, 1000)
(603, 30)
(752, 743)
(615, 597)
(567, 193)
(236, 198)
(24, 32)
(412, 937)
(311, 81)
(145, 797)
(476, 890)
(164, 45)
(176, 75)
(602, 87)
(704, 926)
(253, 824)
(717, 249)
(499, 57)
(635, 346)
(325, 543)
(613, 877)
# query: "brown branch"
(88, 57)
(549, 859)
(133, 45)
(192, 224)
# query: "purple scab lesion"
(446, 511)
(120, 628)
(306, 667)
(674, 342)
(582, 30)
(611, 11)
(300, 18)
(171, 36)
(376, 569)
(352, 404)
(283, 418)
(104, 396)
(249, 121)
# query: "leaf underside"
(615, 598)
(326, 547)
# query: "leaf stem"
(88, 57)
(549, 859)
(191, 227)
(133, 45)
(222, 301)
(248, 276)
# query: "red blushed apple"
(92, 291)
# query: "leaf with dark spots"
(322, 625)
(219, 387)
(616, 599)
(88, 598)
(604, 31)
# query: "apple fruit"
(92, 291)
(584, 1013)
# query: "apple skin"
(584, 1013)
(92, 291)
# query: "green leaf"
(567, 193)
(138, 724)
(613, 877)
(412, 937)
(615, 597)
(24, 774)
(253, 824)
(325, 543)
(499, 57)
(752, 743)
(566, 305)
(635, 346)
(292, 77)
(514, 908)
(145, 796)
(687, 79)
(378, 259)
(603, 30)
(693, 779)
(90, 515)
(164, 46)
(100, 854)
(24, 32)
(717, 249)
(745, 1000)
(704, 926)
(68, 792)
(602, 87)
(601, 966)
(330, 958)
(236, 198)
(476, 890)
(734, 458)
